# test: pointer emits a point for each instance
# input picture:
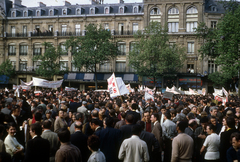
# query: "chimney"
(17, 3)
(41, 4)
(120, 1)
(67, 3)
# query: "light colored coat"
(54, 142)
(182, 148)
(133, 149)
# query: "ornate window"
(155, 15)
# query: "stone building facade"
(24, 29)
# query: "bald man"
(80, 141)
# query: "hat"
(62, 102)
(84, 102)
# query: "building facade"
(24, 29)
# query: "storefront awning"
(101, 77)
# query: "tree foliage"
(95, 48)
(50, 61)
(222, 43)
(152, 55)
(6, 68)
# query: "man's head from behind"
(64, 135)
(35, 129)
(78, 125)
(136, 130)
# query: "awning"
(101, 77)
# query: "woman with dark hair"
(93, 145)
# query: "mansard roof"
(85, 10)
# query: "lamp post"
(196, 71)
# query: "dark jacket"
(38, 150)
(79, 140)
(126, 131)
(152, 144)
(225, 143)
(110, 141)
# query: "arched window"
(25, 14)
(192, 19)
(106, 10)
(173, 10)
(51, 13)
(135, 10)
(155, 11)
(13, 14)
(38, 13)
(64, 12)
(192, 10)
(121, 10)
(173, 19)
(78, 12)
(155, 15)
(92, 11)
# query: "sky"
(34, 3)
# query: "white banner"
(112, 86)
(148, 96)
(27, 84)
(46, 84)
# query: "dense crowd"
(89, 126)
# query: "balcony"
(37, 34)
(69, 34)
(123, 32)
(16, 34)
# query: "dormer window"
(135, 9)
(64, 12)
(121, 9)
(106, 10)
(38, 13)
(25, 13)
(51, 12)
(92, 10)
(13, 13)
(78, 11)
(214, 8)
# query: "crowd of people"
(89, 126)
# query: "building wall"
(142, 18)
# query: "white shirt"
(12, 145)
(97, 156)
(212, 143)
(15, 119)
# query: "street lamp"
(196, 58)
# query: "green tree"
(152, 55)
(50, 61)
(6, 68)
(95, 48)
(222, 44)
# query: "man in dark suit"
(94, 124)
(134, 113)
(110, 140)
(79, 140)
(38, 149)
(157, 132)
(225, 138)
(14, 117)
(127, 129)
(74, 105)
(52, 138)
(152, 143)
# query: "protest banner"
(112, 86)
